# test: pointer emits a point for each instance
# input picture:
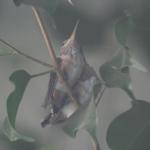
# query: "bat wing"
(51, 87)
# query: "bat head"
(70, 45)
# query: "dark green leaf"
(20, 79)
(84, 118)
(116, 72)
(131, 130)
(121, 28)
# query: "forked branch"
(25, 55)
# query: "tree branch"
(52, 53)
(40, 74)
(25, 55)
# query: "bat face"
(70, 46)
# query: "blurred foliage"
(20, 79)
(116, 73)
(122, 27)
(131, 129)
(84, 118)
(18, 145)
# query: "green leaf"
(20, 79)
(10, 132)
(116, 72)
(122, 27)
(84, 118)
(131, 129)
(135, 64)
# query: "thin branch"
(45, 36)
(25, 55)
(52, 52)
(40, 74)
(99, 97)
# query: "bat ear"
(17, 2)
(72, 36)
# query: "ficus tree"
(126, 131)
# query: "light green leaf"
(123, 58)
(131, 129)
(10, 132)
(20, 79)
(84, 118)
(116, 72)
(135, 64)
(121, 29)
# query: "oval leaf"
(84, 118)
(131, 130)
(20, 79)
(116, 72)
(121, 29)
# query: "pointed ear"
(73, 34)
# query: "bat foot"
(47, 119)
(53, 118)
